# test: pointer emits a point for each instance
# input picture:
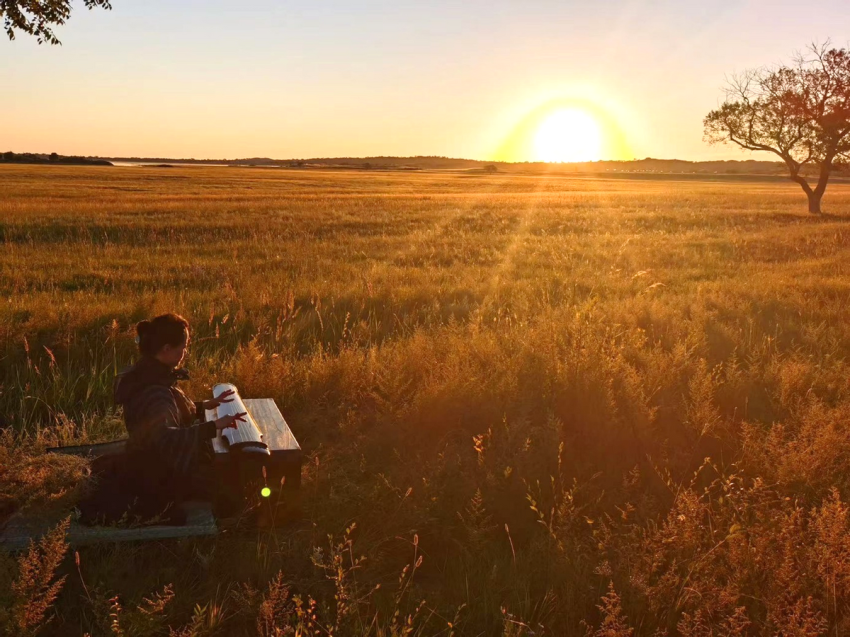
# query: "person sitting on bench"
(169, 452)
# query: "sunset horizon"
(160, 79)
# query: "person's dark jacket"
(160, 418)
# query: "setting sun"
(568, 135)
(567, 130)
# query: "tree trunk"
(814, 194)
(817, 194)
(814, 202)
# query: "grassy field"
(531, 404)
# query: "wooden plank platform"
(92, 451)
(21, 528)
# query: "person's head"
(164, 338)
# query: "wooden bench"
(283, 465)
(283, 478)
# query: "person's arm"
(178, 446)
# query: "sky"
(335, 78)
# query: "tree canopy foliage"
(800, 112)
(39, 17)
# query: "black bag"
(131, 489)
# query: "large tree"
(38, 17)
(800, 112)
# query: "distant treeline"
(648, 165)
(53, 158)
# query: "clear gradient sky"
(325, 78)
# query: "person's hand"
(229, 422)
(225, 397)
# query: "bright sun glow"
(568, 135)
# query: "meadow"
(530, 404)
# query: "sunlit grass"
(434, 340)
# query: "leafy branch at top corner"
(39, 17)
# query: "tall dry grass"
(555, 406)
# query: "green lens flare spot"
(265, 492)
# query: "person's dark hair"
(166, 329)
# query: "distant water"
(160, 163)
